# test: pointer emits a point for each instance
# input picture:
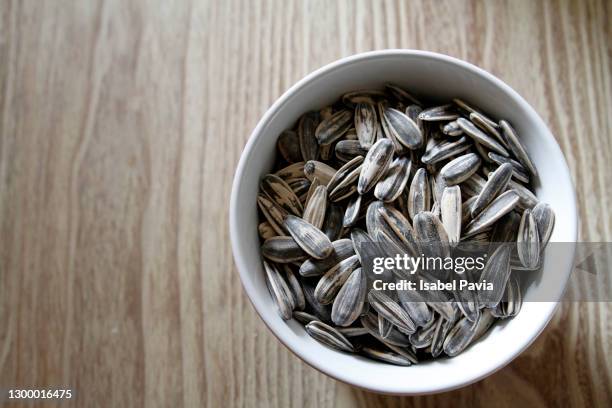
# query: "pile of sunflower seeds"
(382, 166)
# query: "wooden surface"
(121, 126)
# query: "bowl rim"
(235, 235)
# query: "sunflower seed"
(467, 301)
(352, 211)
(404, 129)
(399, 227)
(460, 169)
(443, 327)
(314, 242)
(545, 219)
(412, 111)
(306, 132)
(528, 241)
(391, 185)
(527, 198)
(452, 129)
(294, 287)
(304, 317)
(329, 336)
(348, 149)
(423, 337)
(315, 209)
(496, 272)
(517, 147)
(386, 356)
(518, 171)
(359, 237)
(394, 336)
(362, 96)
(502, 205)
(342, 249)
(332, 226)
(272, 213)
(488, 126)
(280, 193)
(347, 186)
(311, 190)
(282, 250)
(375, 165)
(293, 171)
(439, 113)
(415, 306)
(349, 300)
(437, 152)
(352, 331)
(497, 183)
(365, 124)
(322, 312)
(392, 311)
(331, 282)
(481, 137)
(473, 186)
(419, 195)
(450, 209)
(384, 327)
(459, 337)
(431, 234)
(281, 294)
(289, 147)
(332, 129)
(320, 170)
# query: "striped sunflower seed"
(528, 241)
(444, 149)
(375, 165)
(331, 282)
(332, 226)
(419, 195)
(349, 301)
(391, 311)
(393, 183)
(450, 209)
(501, 206)
(404, 129)
(342, 249)
(365, 124)
(329, 336)
(304, 317)
(481, 137)
(439, 113)
(282, 249)
(496, 184)
(545, 219)
(306, 133)
(332, 129)
(460, 169)
(281, 294)
(280, 193)
(288, 145)
(316, 169)
(311, 239)
(352, 211)
(517, 147)
(314, 213)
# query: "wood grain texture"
(121, 126)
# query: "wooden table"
(121, 126)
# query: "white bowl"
(438, 76)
